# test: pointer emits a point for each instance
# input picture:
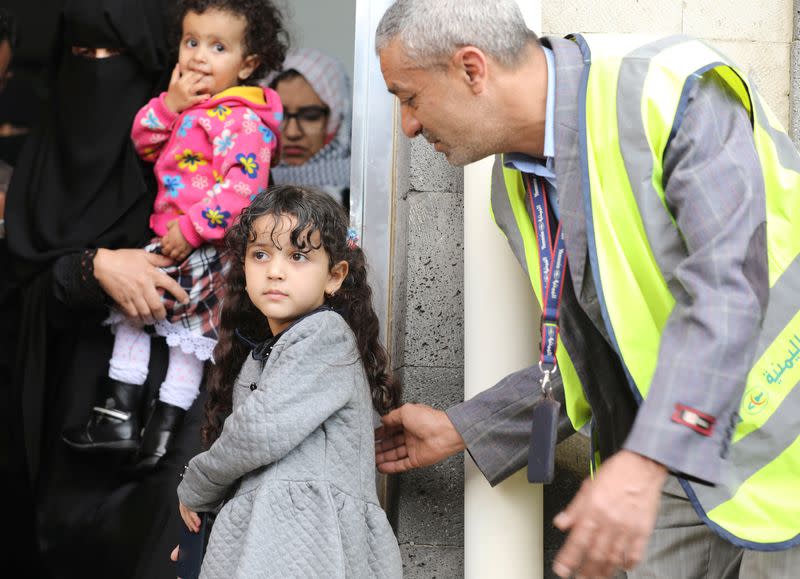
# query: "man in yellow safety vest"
(654, 201)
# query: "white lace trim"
(176, 335)
(189, 342)
(114, 319)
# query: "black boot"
(161, 427)
(114, 423)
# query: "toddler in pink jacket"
(212, 139)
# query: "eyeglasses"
(308, 118)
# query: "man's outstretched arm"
(413, 436)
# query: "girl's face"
(283, 281)
(305, 117)
(213, 44)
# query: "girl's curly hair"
(314, 212)
(265, 35)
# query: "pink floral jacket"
(210, 160)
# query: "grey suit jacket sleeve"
(308, 377)
(714, 188)
(496, 424)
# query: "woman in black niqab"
(81, 180)
(79, 186)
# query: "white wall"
(329, 26)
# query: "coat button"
(253, 386)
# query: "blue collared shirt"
(542, 167)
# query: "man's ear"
(471, 64)
(248, 66)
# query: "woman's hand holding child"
(131, 278)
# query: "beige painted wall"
(755, 35)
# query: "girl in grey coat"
(299, 367)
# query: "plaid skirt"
(194, 326)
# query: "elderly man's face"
(437, 104)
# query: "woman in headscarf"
(315, 92)
(78, 198)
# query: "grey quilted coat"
(297, 454)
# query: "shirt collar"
(542, 166)
(262, 349)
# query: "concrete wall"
(428, 263)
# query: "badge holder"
(544, 430)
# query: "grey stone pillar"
(428, 351)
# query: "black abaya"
(79, 185)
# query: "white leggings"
(131, 357)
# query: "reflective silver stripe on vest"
(785, 148)
(666, 243)
(784, 297)
(756, 450)
(504, 214)
(761, 446)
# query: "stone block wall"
(428, 350)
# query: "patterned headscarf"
(330, 166)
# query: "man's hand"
(174, 244)
(611, 518)
(187, 89)
(130, 277)
(413, 436)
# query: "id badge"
(542, 448)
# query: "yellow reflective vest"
(758, 504)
